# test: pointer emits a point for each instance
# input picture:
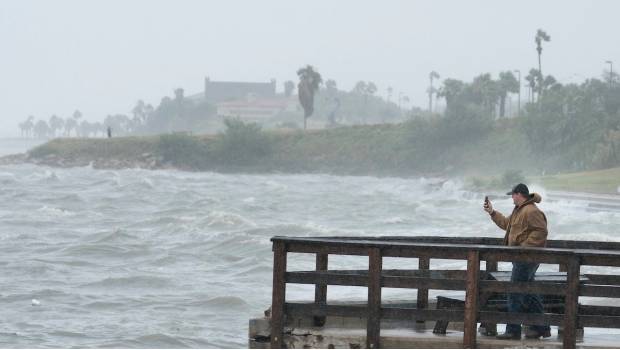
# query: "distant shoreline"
(355, 151)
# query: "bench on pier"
(499, 301)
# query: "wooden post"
(373, 325)
(490, 329)
(569, 336)
(278, 294)
(561, 268)
(423, 265)
(471, 300)
(320, 290)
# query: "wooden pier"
(570, 256)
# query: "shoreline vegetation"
(486, 162)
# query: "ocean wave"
(116, 236)
(159, 340)
(68, 334)
(46, 176)
(54, 212)
(394, 220)
(132, 282)
(226, 219)
(100, 250)
(105, 305)
(221, 302)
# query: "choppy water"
(137, 258)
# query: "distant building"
(257, 109)
(220, 91)
(250, 101)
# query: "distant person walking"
(109, 132)
(525, 227)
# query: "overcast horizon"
(102, 56)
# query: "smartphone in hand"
(486, 201)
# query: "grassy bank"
(599, 181)
(379, 150)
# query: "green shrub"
(183, 150)
(242, 143)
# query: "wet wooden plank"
(327, 278)
(417, 314)
(523, 287)
(603, 279)
(423, 282)
(539, 277)
(599, 310)
(597, 290)
(524, 318)
(322, 310)
(361, 310)
(599, 321)
(551, 244)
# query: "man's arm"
(499, 219)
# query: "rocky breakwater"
(143, 161)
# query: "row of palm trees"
(55, 126)
(74, 126)
(493, 93)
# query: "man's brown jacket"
(526, 226)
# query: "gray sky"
(102, 56)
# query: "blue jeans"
(526, 303)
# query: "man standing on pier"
(525, 227)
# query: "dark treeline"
(334, 107)
(564, 126)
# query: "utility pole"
(611, 73)
(519, 105)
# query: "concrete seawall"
(350, 333)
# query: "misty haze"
(149, 151)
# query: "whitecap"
(393, 220)
(222, 218)
(54, 212)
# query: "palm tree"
(507, 83)
(371, 88)
(331, 88)
(405, 100)
(41, 129)
(289, 86)
(486, 91)
(309, 81)
(450, 90)
(70, 124)
(541, 36)
(389, 93)
(55, 123)
(26, 126)
(533, 79)
(431, 90)
(138, 111)
(77, 115)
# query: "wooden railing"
(569, 255)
